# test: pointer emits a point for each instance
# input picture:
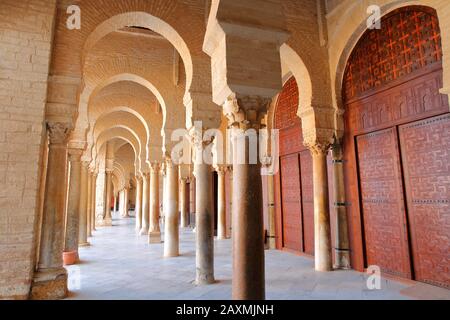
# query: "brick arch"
(146, 20)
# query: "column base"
(342, 259)
(105, 223)
(84, 244)
(272, 243)
(171, 255)
(154, 237)
(70, 257)
(49, 284)
(204, 280)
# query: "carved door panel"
(291, 203)
(425, 149)
(307, 200)
(382, 202)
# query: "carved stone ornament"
(246, 112)
(58, 132)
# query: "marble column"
(126, 197)
(171, 236)
(94, 200)
(184, 214)
(107, 218)
(221, 204)
(83, 206)
(342, 250)
(115, 203)
(322, 235)
(154, 232)
(247, 212)
(89, 205)
(138, 206)
(204, 221)
(50, 279)
(70, 255)
(145, 203)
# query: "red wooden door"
(307, 201)
(425, 148)
(291, 202)
(382, 202)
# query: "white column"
(171, 236)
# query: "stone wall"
(26, 29)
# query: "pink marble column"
(89, 205)
(94, 200)
(107, 218)
(154, 232)
(221, 204)
(138, 206)
(322, 237)
(245, 116)
(83, 241)
(145, 203)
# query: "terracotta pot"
(70, 257)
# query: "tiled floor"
(121, 265)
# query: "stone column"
(94, 200)
(107, 218)
(184, 214)
(245, 116)
(125, 202)
(204, 224)
(138, 207)
(171, 245)
(89, 205)
(145, 203)
(83, 206)
(154, 233)
(322, 235)
(50, 279)
(115, 203)
(342, 250)
(221, 204)
(271, 210)
(70, 255)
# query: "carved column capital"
(196, 136)
(145, 175)
(168, 163)
(85, 164)
(58, 132)
(221, 170)
(319, 148)
(155, 167)
(246, 112)
(74, 155)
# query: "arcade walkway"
(121, 265)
